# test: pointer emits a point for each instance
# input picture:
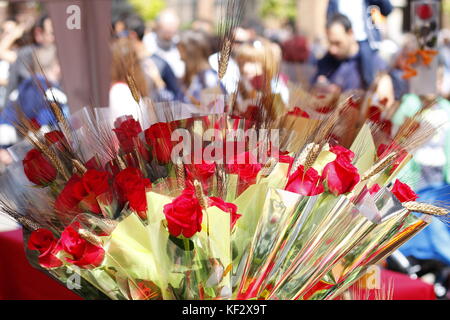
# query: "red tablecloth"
(20, 281)
(397, 286)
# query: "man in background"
(155, 68)
(366, 34)
(163, 41)
(343, 66)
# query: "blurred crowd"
(171, 63)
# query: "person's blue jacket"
(373, 34)
(33, 103)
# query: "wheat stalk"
(133, 88)
(50, 154)
(200, 195)
(379, 167)
(181, 176)
(426, 208)
(79, 166)
(268, 167)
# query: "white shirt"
(232, 75)
(122, 103)
(355, 10)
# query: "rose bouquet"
(210, 204)
(227, 199)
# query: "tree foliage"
(281, 9)
(148, 9)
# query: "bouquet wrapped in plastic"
(202, 203)
(227, 199)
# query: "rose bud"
(82, 192)
(306, 184)
(159, 137)
(374, 189)
(127, 131)
(43, 241)
(54, 137)
(132, 188)
(226, 207)
(38, 169)
(403, 192)
(341, 176)
(82, 252)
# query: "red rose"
(306, 184)
(341, 176)
(245, 166)
(257, 82)
(93, 164)
(298, 113)
(159, 137)
(375, 188)
(384, 150)
(284, 157)
(55, 137)
(252, 112)
(324, 110)
(132, 187)
(83, 253)
(202, 171)
(342, 152)
(96, 182)
(375, 114)
(43, 241)
(403, 192)
(424, 11)
(386, 126)
(127, 131)
(226, 207)
(38, 169)
(184, 215)
(354, 103)
(67, 201)
(35, 124)
(81, 193)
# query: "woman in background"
(125, 64)
(195, 49)
(259, 64)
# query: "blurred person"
(125, 63)
(203, 25)
(42, 36)
(260, 62)
(163, 84)
(33, 96)
(247, 32)
(298, 62)
(10, 33)
(444, 63)
(231, 77)
(5, 159)
(342, 66)
(163, 41)
(119, 28)
(195, 50)
(365, 32)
